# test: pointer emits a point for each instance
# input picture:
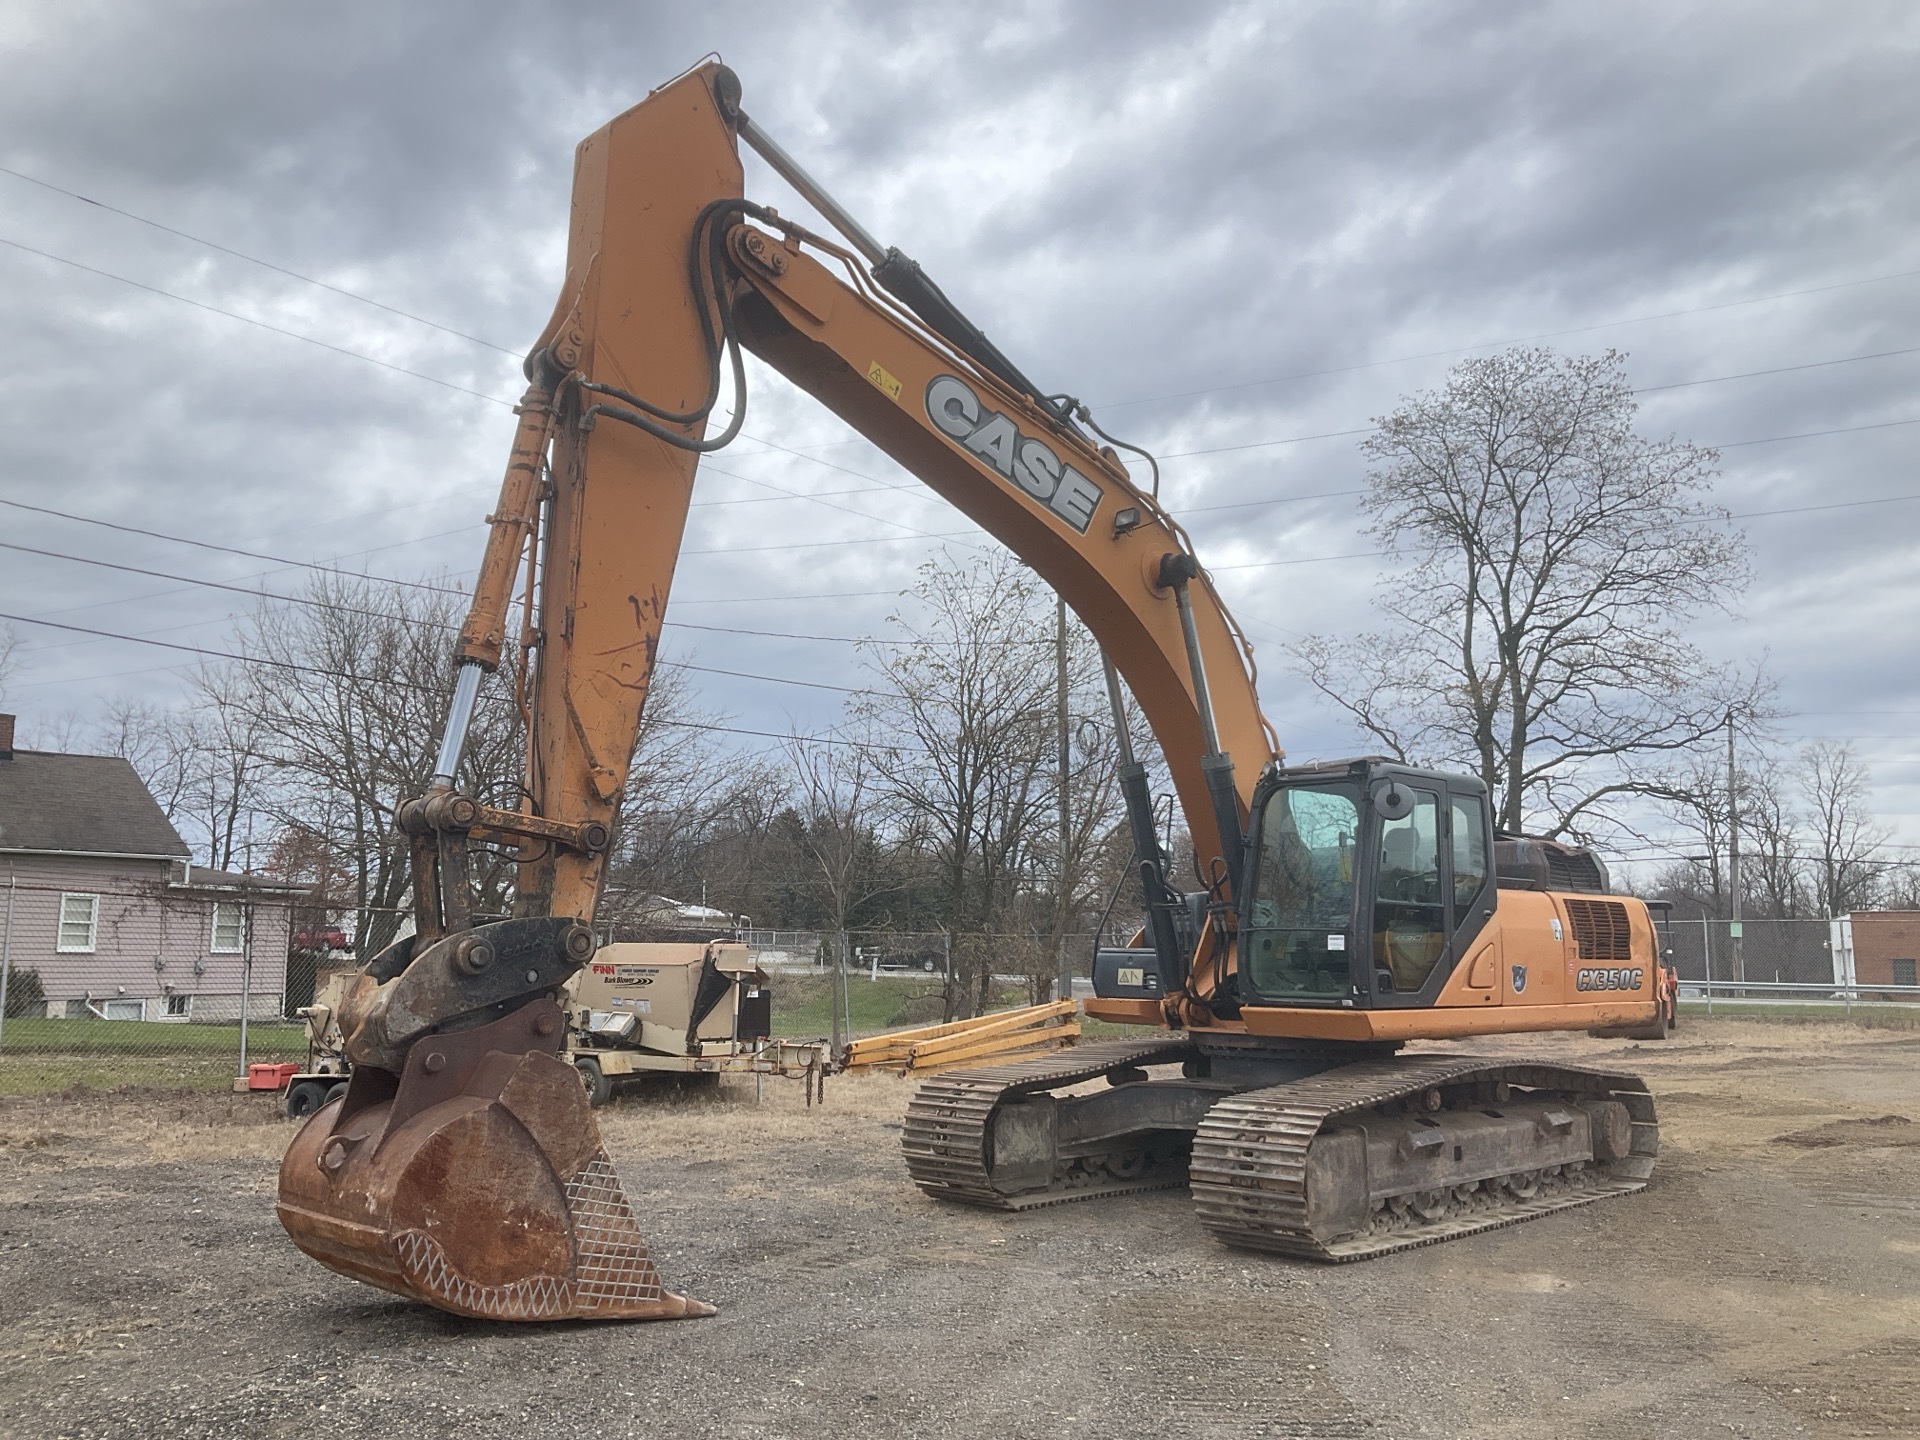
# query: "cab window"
(1410, 909)
(1469, 854)
(1302, 903)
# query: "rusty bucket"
(475, 1180)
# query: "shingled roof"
(95, 804)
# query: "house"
(99, 896)
(1877, 947)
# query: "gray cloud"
(1137, 200)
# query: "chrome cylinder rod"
(466, 689)
(1120, 732)
(1202, 696)
(810, 189)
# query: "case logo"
(1028, 464)
(1519, 978)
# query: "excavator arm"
(461, 1111)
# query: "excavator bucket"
(475, 1180)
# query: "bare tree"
(1834, 786)
(339, 700)
(201, 762)
(1773, 870)
(1699, 805)
(1551, 559)
(686, 803)
(1773, 867)
(9, 656)
(962, 722)
(836, 796)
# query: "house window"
(180, 1005)
(229, 929)
(1903, 973)
(124, 1009)
(79, 919)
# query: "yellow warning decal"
(881, 376)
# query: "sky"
(1239, 231)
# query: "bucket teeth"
(475, 1182)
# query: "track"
(1249, 1168)
(945, 1135)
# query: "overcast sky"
(1228, 227)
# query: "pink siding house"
(99, 897)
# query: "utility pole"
(1062, 898)
(1733, 857)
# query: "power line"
(1302, 375)
(192, 580)
(783, 599)
(346, 609)
(256, 260)
(1177, 455)
(826, 544)
(1778, 370)
(799, 455)
(325, 673)
(261, 324)
(719, 629)
(915, 533)
(1519, 340)
(235, 550)
(1814, 434)
(1721, 445)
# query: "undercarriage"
(1329, 1153)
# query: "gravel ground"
(1767, 1284)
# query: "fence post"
(6, 955)
(1706, 958)
(246, 980)
(846, 989)
(1846, 965)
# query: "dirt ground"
(1766, 1284)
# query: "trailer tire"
(305, 1098)
(335, 1091)
(598, 1087)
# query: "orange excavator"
(1347, 910)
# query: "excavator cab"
(1366, 882)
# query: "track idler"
(474, 1179)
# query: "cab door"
(1432, 891)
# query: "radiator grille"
(1573, 870)
(1600, 929)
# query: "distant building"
(1877, 947)
(99, 896)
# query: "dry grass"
(1739, 1084)
(725, 1124)
(89, 1128)
(82, 1127)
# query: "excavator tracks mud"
(1287, 1169)
(946, 1137)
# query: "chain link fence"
(148, 985)
(1794, 952)
(133, 1012)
